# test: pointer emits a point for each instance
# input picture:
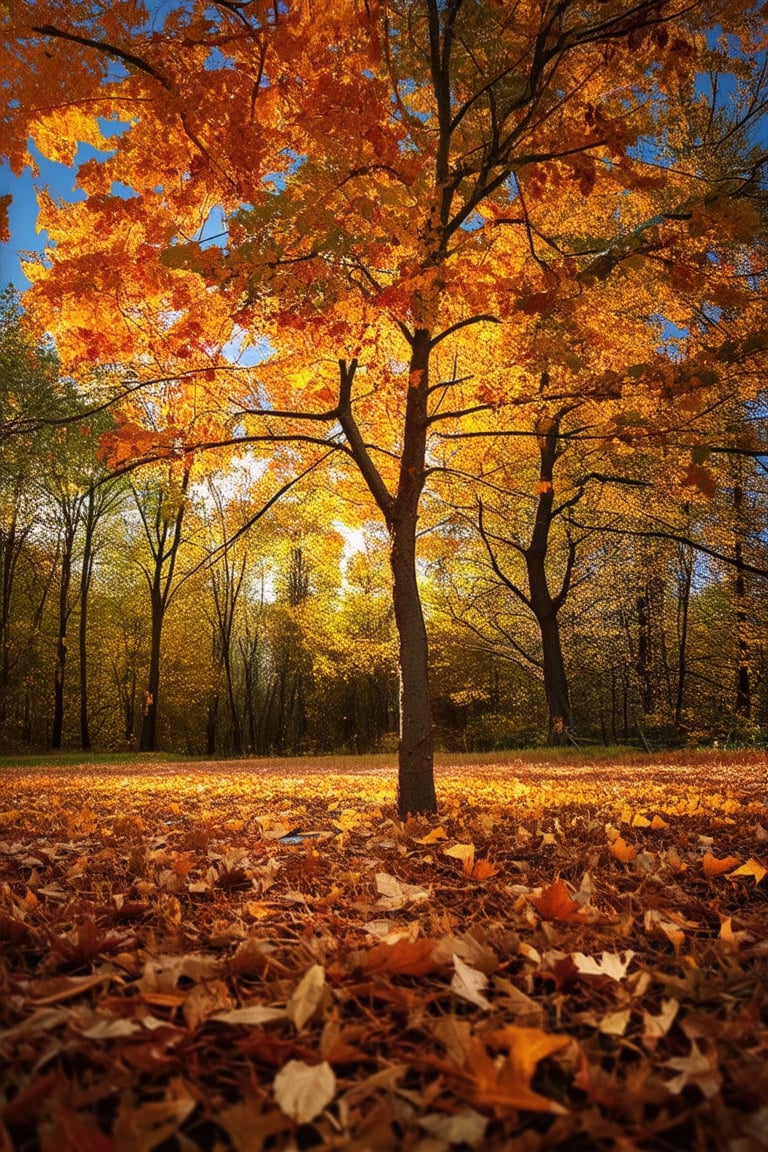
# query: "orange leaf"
(508, 1087)
(5, 232)
(713, 867)
(623, 851)
(404, 958)
(556, 903)
(483, 869)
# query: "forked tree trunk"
(416, 783)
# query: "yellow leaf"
(751, 868)
(657, 823)
(463, 852)
(623, 851)
(640, 821)
(58, 133)
(433, 836)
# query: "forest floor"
(252, 955)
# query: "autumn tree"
(364, 159)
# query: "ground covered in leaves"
(253, 956)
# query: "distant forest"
(270, 631)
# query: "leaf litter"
(566, 958)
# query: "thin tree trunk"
(684, 599)
(149, 723)
(86, 574)
(743, 704)
(57, 729)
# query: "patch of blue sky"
(672, 335)
(59, 180)
(247, 352)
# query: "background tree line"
(570, 593)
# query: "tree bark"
(164, 539)
(57, 729)
(743, 702)
(415, 782)
(149, 722)
(86, 573)
(544, 605)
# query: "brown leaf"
(404, 958)
(556, 903)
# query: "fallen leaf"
(463, 852)
(467, 1127)
(506, 1086)
(302, 1090)
(404, 958)
(556, 903)
(623, 851)
(610, 964)
(397, 894)
(204, 1000)
(306, 997)
(469, 983)
(615, 1023)
(711, 866)
(698, 1069)
(656, 1026)
(751, 868)
(434, 836)
(142, 1127)
(251, 1015)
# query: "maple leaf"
(610, 964)
(623, 851)
(697, 1068)
(556, 903)
(507, 1087)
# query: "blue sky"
(22, 214)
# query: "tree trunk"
(685, 580)
(555, 681)
(416, 789)
(149, 723)
(544, 605)
(57, 729)
(416, 784)
(743, 703)
(86, 574)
